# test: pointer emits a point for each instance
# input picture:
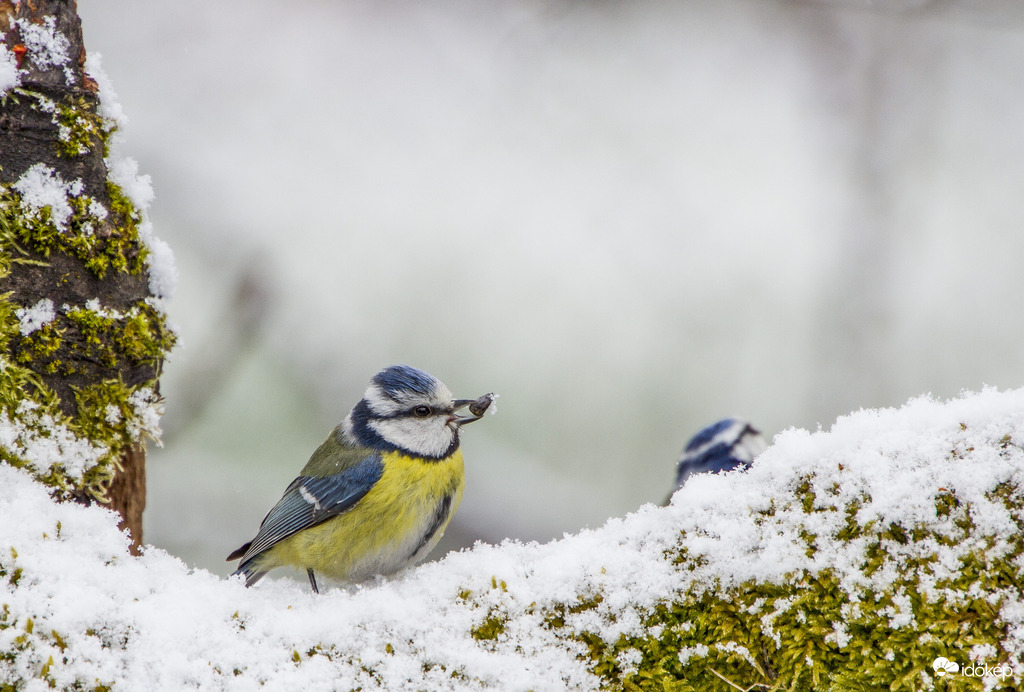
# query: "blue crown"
(404, 378)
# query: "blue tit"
(722, 446)
(378, 493)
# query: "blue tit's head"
(406, 410)
(722, 446)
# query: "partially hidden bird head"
(720, 447)
(407, 410)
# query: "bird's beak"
(477, 408)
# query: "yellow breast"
(395, 524)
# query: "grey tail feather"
(250, 572)
(248, 568)
(239, 552)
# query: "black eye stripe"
(431, 410)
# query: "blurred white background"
(627, 219)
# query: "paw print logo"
(943, 665)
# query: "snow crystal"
(94, 305)
(123, 171)
(163, 274)
(901, 613)
(9, 77)
(33, 318)
(46, 46)
(113, 414)
(41, 186)
(148, 407)
(839, 635)
(629, 659)
(97, 210)
(45, 105)
(982, 652)
(733, 647)
(688, 652)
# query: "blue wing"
(722, 446)
(309, 501)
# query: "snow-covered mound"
(853, 558)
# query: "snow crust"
(123, 171)
(110, 107)
(41, 442)
(152, 623)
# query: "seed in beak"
(477, 407)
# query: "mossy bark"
(85, 257)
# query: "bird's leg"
(312, 580)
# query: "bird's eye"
(421, 411)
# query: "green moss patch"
(103, 234)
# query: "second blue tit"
(722, 446)
(378, 493)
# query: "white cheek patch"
(422, 436)
(379, 402)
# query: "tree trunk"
(82, 337)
